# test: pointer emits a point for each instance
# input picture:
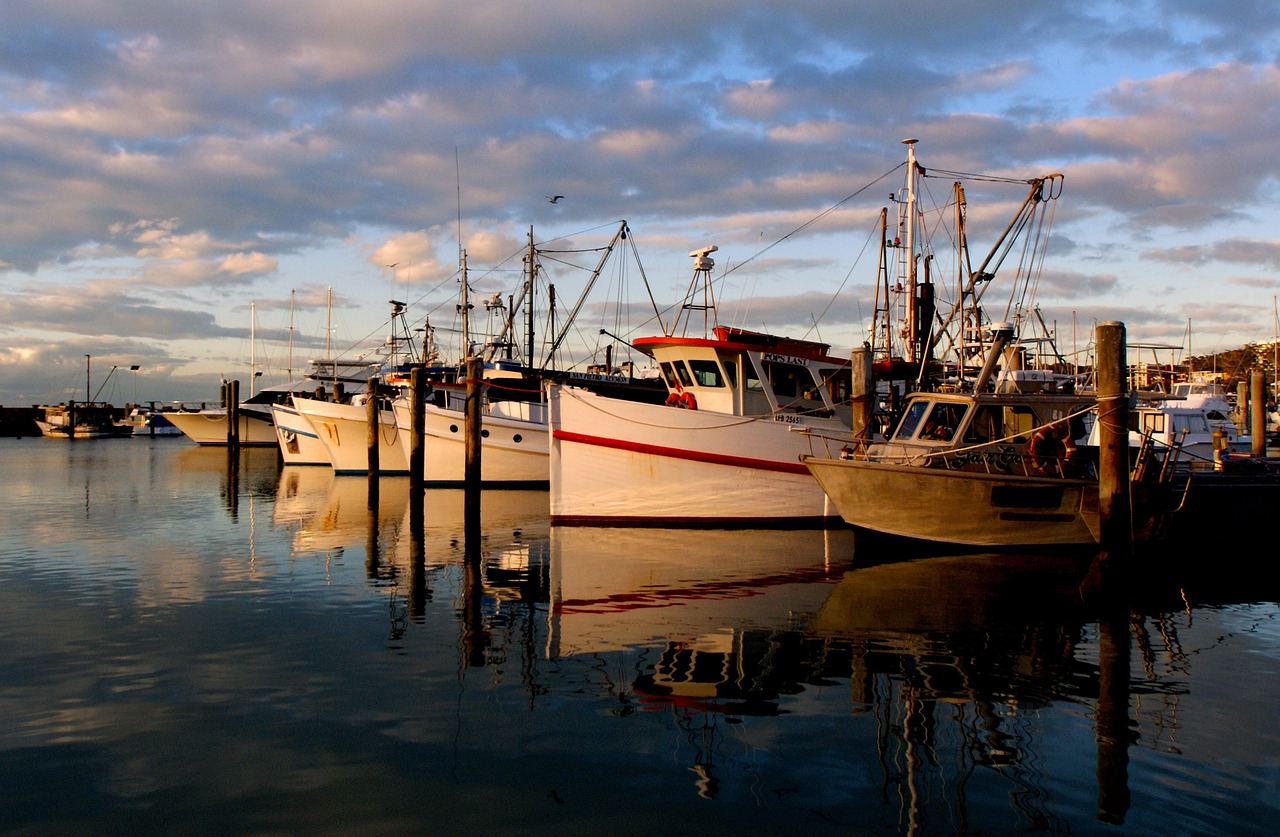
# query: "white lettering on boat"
(772, 358)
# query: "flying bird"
(554, 199)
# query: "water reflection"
(305, 642)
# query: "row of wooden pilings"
(418, 398)
(472, 413)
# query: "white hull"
(209, 427)
(513, 447)
(343, 429)
(961, 507)
(299, 444)
(630, 463)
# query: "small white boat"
(208, 426)
(513, 438)
(148, 422)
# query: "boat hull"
(299, 444)
(960, 507)
(513, 452)
(343, 430)
(209, 427)
(626, 463)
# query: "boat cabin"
(748, 373)
(956, 428)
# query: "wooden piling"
(375, 428)
(862, 394)
(471, 440)
(233, 414)
(1257, 413)
(1113, 439)
(417, 410)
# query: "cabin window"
(942, 422)
(751, 381)
(706, 373)
(987, 425)
(840, 386)
(783, 379)
(730, 365)
(1152, 422)
(676, 375)
(911, 420)
(992, 423)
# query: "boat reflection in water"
(949, 658)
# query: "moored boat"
(720, 451)
(980, 468)
(81, 420)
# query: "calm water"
(187, 648)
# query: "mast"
(87, 397)
(252, 333)
(464, 307)
(289, 369)
(912, 318)
(528, 312)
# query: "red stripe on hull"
(678, 453)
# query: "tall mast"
(464, 307)
(87, 397)
(289, 370)
(528, 311)
(912, 324)
(328, 323)
(252, 333)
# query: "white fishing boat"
(327, 379)
(721, 451)
(208, 426)
(343, 431)
(299, 444)
(514, 442)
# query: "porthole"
(484, 434)
(517, 438)
(453, 428)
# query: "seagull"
(554, 199)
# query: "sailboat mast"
(87, 397)
(290, 361)
(912, 319)
(252, 337)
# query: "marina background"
(192, 643)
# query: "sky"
(205, 189)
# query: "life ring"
(673, 399)
(1048, 452)
(688, 401)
